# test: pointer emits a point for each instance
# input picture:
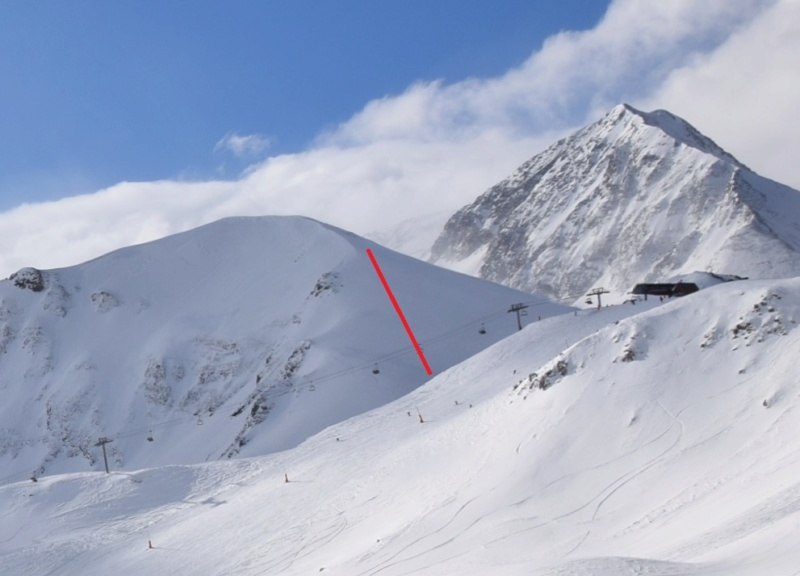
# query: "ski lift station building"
(665, 289)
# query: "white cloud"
(574, 76)
(243, 146)
(745, 94)
(437, 146)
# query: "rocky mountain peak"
(673, 126)
(634, 197)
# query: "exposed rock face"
(28, 279)
(634, 197)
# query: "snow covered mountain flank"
(635, 197)
(622, 441)
(245, 336)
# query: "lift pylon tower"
(520, 310)
(598, 292)
(102, 442)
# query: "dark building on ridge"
(665, 289)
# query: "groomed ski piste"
(637, 439)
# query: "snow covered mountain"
(647, 439)
(635, 197)
(242, 337)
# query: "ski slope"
(647, 439)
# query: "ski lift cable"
(406, 350)
(349, 370)
(330, 376)
(468, 326)
(157, 426)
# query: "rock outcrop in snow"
(635, 197)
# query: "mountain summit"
(634, 197)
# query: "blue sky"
(127, 121)
(101, 92)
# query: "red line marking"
(399, 312)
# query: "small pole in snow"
(102, 442)
(285, 478)
(149, 545)
(421, 421)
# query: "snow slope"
(245, 337)
(635, 197)
(631, 440)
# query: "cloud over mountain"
(437, 145)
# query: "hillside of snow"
(635, 197)
(637, 439)
(243, 337)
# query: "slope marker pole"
(399, 312)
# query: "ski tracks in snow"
(625, 478)
(394, 559)
(772, 510)
(612, 488)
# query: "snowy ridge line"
(14, 478)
